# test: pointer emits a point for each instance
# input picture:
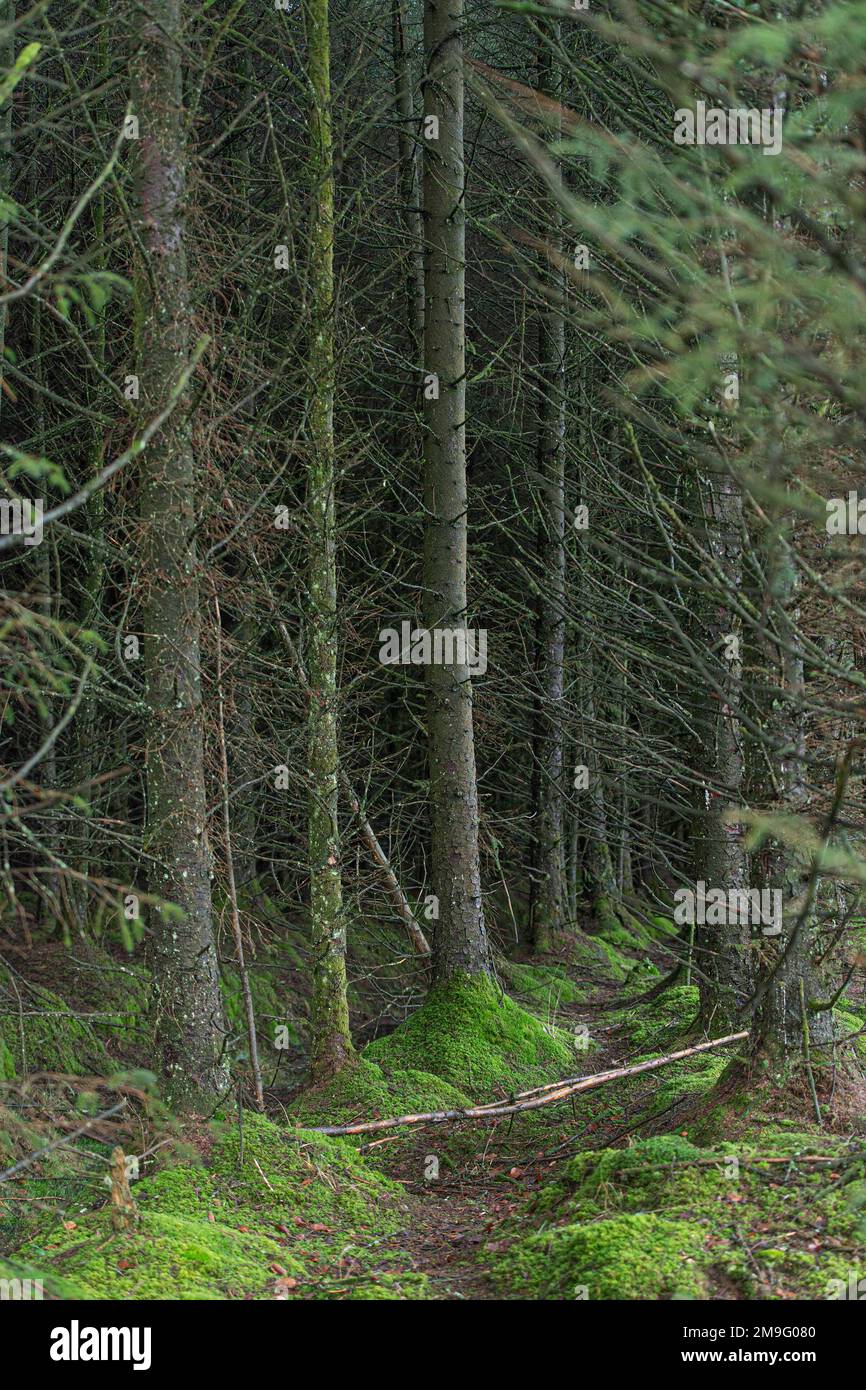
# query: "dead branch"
(561, 1090)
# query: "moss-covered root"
(472, 1035)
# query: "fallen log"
(559, 1091)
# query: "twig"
(58, 1143)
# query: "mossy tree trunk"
(549, 905)
(331, 1039)
(185, 972)
(461, 943)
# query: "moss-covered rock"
(472, 1035)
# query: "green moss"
(53, 1285)
(730, 1212)
(694, 1076)
(279, 1203)
(546, 988)
(379, 1285)
(664, 925)
(618, 967)
(848, 1022)
(619, 928)
(365, 1091)
(472, 1035)
(638, 1256)
(64, 1177)
(168, 1257)
(45, 1037)
(276, 1177)
(656, 1025)
(590, 1171)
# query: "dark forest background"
(321, 319)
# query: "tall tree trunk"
(410, 209)
(600, 874)
(185, 971)
(550, 892)
(723, 955)
(7, 62)
(331, 1039)
(790, 982)
(87, 723)
(461, 944)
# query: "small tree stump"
(124, 1212)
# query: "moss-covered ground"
(685, 1183)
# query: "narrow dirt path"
(454, 1218)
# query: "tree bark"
(789, 978)
(461, 943)
(723, 955)
(550, 889)
(331, 1039)
(185, 972)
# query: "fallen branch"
(561, 1090)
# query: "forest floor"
(683, 1182)
(456, 1216)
